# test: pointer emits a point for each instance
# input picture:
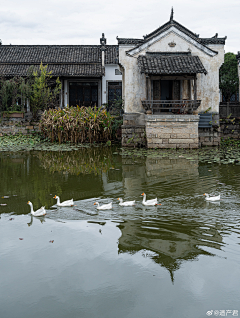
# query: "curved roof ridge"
(168, 25)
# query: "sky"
(83, 21)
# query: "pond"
(177, 259)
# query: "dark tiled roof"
(63, 60)
(77, 70)
(129, 41)
(111, 54)
(238, 55)
(207, 41)
(166, 65)
(57, 54)
(168, 25)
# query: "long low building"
(89, 73)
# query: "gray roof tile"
(75, 70)
(63, 60)
(166, 65)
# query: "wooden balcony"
(170, 106)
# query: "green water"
(178, 259)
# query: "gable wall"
(207, 86)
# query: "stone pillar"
(172, 131)
(65, 93)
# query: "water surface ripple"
(177, 259)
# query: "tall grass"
(76, 124)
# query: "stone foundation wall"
(230, 128)
(209, 137)
(172, 131)
(133, 136)
(17, 125)
(134, 130)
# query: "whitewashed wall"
(135, 83)
(109, 76)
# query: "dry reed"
(76, 125)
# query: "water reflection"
(39, 218)
(171, 241)
(182, 229)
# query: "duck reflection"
(40, 218)
(169, 242)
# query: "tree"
(43, 95)
(228, 76)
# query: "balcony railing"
(171, 106)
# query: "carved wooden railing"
(171, 106)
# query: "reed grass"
(77, 125)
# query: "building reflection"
(167, 242)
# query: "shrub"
(76, 124)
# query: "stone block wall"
(134, 130)
(18, 125)
(230, 128)
(209, 137)
(172, 131)
(133, 136)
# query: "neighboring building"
(89, 73)
(170, 71)
(238, 58)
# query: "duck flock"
(70, 203)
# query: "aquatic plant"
(76, 125)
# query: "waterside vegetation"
(77, 125)
(227, 153)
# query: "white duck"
(64, 203)
(148, 202)
(104, 206)
(126, 203)
(39, 212)
(215, 198)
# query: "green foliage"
(230, 142)
(116, 107)
(207, 110)
(228, 76)
(42, 95)
(116, 128)
(77, 125)
(37, 86)
(11, 92)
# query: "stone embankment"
(18, 125)
(230, 128)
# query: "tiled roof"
(129, 41)
(168, 25)
(63, 60)
(207, 41)
(111, 54)
(165, 27)
(166, 65)
(77, 70)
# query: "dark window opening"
(83, 94)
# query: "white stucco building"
(170, 72)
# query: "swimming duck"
(215, 198)
(39, 212)
(126, 203)
(64, 203)
(148, 202)
(104, 206)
